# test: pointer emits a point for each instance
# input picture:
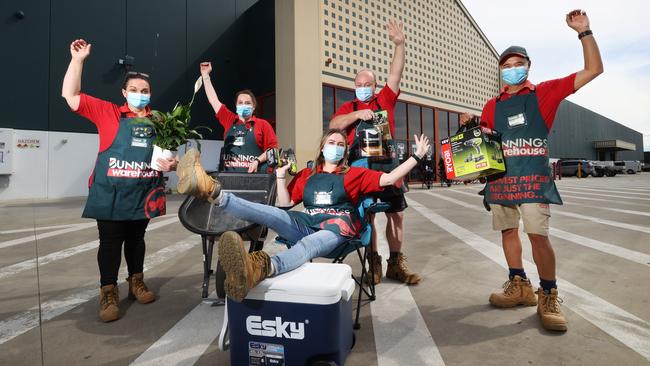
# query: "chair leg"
(362, 290)
(207, 244)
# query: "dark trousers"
(111, 236)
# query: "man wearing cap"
(523, 113)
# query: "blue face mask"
(364, 93)
(138, 100)
(514, 75)
(244, 111)
(333, 153)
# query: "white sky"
(621, 28)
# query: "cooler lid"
(311, 283)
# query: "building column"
(298, 87)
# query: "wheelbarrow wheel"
(220, 278)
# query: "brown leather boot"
(193, 180)
(138, 290)
(375, 264)
(549, 311)
(517, 291)
(398, 270)
(109, 299)
(243, 271)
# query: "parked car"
(605, 168)
(628, 166)
(570, 168)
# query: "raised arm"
(421, 148)
(71, 88)
(396, 35)
(213, 98)
(593, 64)
(284, 198)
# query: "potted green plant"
(173, 129)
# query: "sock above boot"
(547, 285)
(517, 272)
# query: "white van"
(629, 166)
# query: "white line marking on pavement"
(18, 324)
(609, 190)
(187, 340)
(627, 328)
(39, 228)
(606, 248)
(576, 191)
(622, 225)
(631, 212)
(401, 335)
(65, 253)
(604, 200)
(631, 255)
(31, 238)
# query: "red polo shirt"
(264, 134)
(105, 115)
(386, 98)
(356, 182)
(549, 96)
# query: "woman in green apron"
(246, 137)
(329, 191)
(124, 191)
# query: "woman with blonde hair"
(329, 191)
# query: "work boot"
(138, 290)
(549, 311)
(193, 180)
(517, 291)
(375, 265)
(109, 298)
(399, 271)
(243, 271)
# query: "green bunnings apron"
(385, 163)
(123, 185)
(240, 149)
(327, 206)
(524, 137)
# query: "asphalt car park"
(48, 281)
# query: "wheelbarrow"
(210, 221)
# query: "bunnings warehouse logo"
(525, 147)
(275, 328)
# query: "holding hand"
(281, 172)
(578, 20)
(421, 145)
(365, 114)
(396, 32)
(206, 69)
(167, 165)
(252, 168)
(79, 49)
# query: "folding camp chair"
(366, 206)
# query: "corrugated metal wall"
(575, 128)
(168, 39)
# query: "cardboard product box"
(473, 154)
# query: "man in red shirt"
(246, 137)
(358, 116)
(523, 113)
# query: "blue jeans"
(310, 243)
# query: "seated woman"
(330, 192)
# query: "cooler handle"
(348, 289)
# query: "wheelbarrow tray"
(207, 219)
